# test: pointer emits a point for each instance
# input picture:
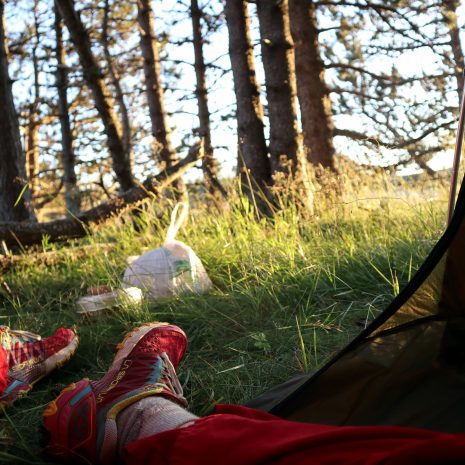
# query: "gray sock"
(149, 416)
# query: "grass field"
(288, 293)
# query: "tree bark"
(314, 101)
(72, 195)
(12, 171)
(33, 126)
(115, 80)
(253, 163)
(450, 8)
(209, 164)
(94, 79)
(32, 148)
(278, 63)
(16, 233)
(155, 95)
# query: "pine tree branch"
(405, 144)
(386, 77)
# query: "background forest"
(100, 95)
(310, 138)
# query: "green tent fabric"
(407, 367)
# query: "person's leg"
(25, 358)
(239, 435)
(149, 416)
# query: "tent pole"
(458, 152)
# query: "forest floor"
(288, 294)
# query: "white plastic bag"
(169, 270)
(163, 272)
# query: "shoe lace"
(170, 377)
(18, 344)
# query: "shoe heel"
(70, 420)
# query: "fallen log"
(52, 257)
(19, 233)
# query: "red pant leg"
(241, 436)
(3, 369)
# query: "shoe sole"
(57, 360)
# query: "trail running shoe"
(81, 422)
(30, 358)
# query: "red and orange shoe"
(81, 422)
(30, 358)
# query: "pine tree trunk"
(450, 8)
(253, 163)
(34, 123)
(32, 148)
(209, 164)
(94, 79)
(155, 95)
(72, 196)
(33, 126)
(115, 80)
(278, 63)
(12, 166)
(315, 104)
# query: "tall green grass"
(289, 292)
